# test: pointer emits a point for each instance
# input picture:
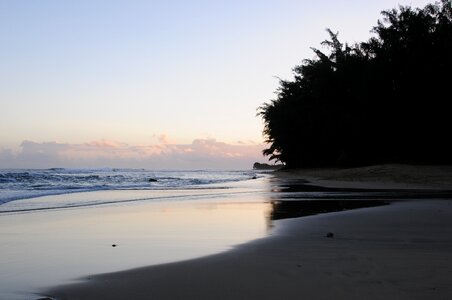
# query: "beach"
(57, 239)
(379, 253)
(228, 151)
(398, 251)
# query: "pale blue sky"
(73, 72)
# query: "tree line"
(383, 100)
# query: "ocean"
(59, 225)
(22, 184)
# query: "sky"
(155, 84)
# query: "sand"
(389, 176)
(397, 251)
(47, 247)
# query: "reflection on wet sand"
(302, 208)
(298, 198)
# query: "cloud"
(6, 155)
(200, 154)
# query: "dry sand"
(399, 251)
(388, 176)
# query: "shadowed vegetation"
(383, 100)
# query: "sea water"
(58, 225)
(31, 183)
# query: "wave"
(81, 200)
(29, 183)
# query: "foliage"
(383, 100)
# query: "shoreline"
(380, 253)
(130, 229)
(398, 251)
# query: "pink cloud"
(200, 154)
(105, 144)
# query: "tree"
(377, 101)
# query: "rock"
(152, 180)
(330, 235)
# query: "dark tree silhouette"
(383, 100)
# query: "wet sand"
(397, 251)
(400, 251)
(45, 247)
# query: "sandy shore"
(397, 251)
(390, 176)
